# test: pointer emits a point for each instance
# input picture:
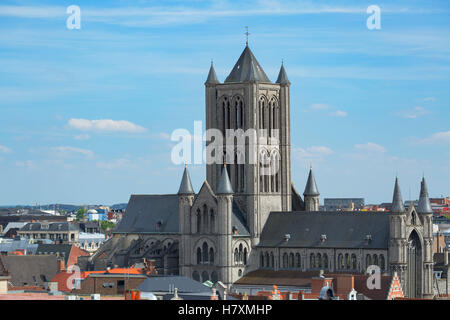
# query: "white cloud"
(319, 106)
(438, 137)
(370, 147)
(432, 99)
(25, 163)
(83, 136)
(4, 149)
(338, 113)
(105, 125)
(414, 113)
(113, 164)
(313, 152)
(68, 152)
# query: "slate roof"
(247, 68)
(342, 230)
(311, 187)
(31, 269)
(54, 226)
(183, 284)
(397, 201)
(424, 201)
(212, 77)
(239, 222)
(282, 76)
(186, 185)
(62, 249)
(224, 185)
(18, 244)
(13, 225)
(144, 212)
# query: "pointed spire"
(282, 76)
(224, 186)
(397, 200)
(311, 187)
(247, 68)
(186, 185)
(212, 77)
(424, 201)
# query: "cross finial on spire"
(246, 34)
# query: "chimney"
(214, 295)
(61, 266)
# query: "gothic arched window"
(285, 260)
(245, 256)
(325, 261)
(319, 260)
(375, 259)
(347, 261)
(298, 260)
(291, 261)
(382, 262)
(205, 252)
(205, 226)
(368, 260)
(353, 261)
(312, 261)
(199, 256)
(199, 221)
(340, 261)
(212, 222)
(211, 256)
(272, 260)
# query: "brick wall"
(108, 285)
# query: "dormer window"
(368, 238)
(235, 231)
(287, 237)
(323, 237)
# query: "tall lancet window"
(262, 115)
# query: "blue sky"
(365, 104)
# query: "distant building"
(343, 204)
(30, 270)
(25, 246)
(62, 232)
(67, 252)
(90, 241)
(89, 227)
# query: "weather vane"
(247, 34)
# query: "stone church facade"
(242, 220)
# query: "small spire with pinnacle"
(186, 185)
(397, 200)
(224, 186)
(424, 201)
(212, 77)
(246, 35)
(311, 187)
(282, 76)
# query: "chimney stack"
(445, 257)
(61, 266)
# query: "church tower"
(185, 200)
(426, 216)
(311, 193)
(411, 243)
(247, 103)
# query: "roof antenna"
(246, 34)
